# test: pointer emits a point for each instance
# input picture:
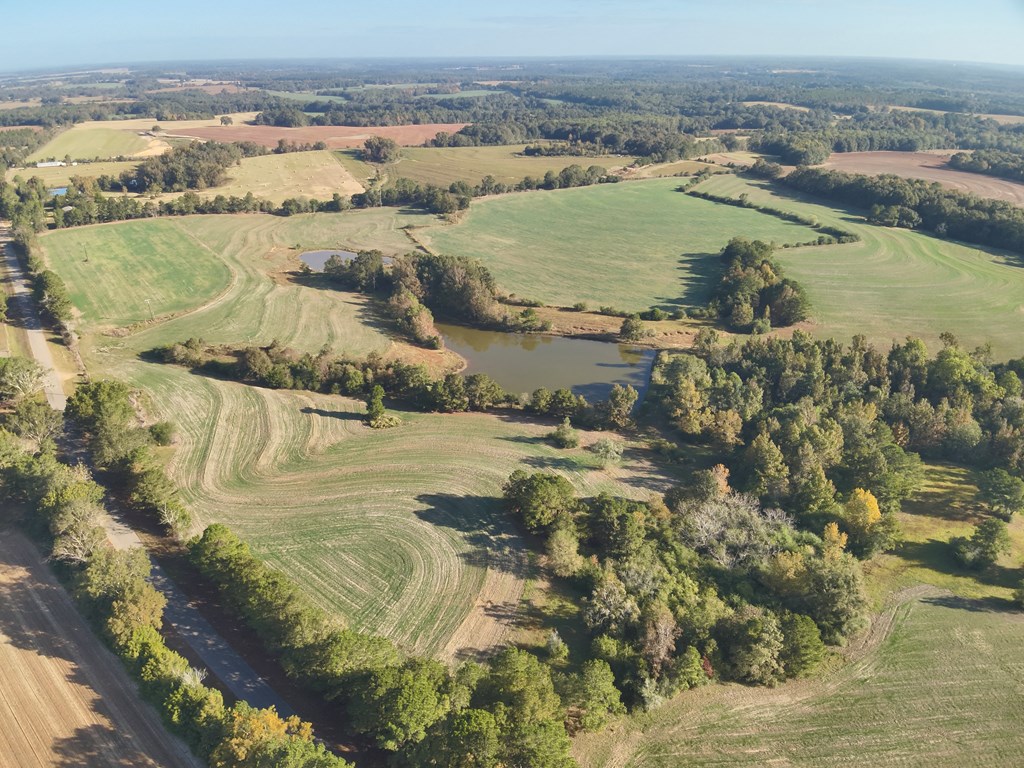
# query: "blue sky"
(72, 32)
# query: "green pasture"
(88, 143)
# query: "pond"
(524, 362)
(316, 260)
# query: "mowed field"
(444, 165)
(930, 166)
(88, 143)
(896, 282)
(629, 245)
(401, 530)
(65, 699)
(60, 176)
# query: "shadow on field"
(93, 745)
(705, 271)
(938, 556)
(485, 527)
(983, 605)
(343, 415)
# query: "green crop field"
(443, 165)
(629, 245)
(87, 142)
(896, 283)
(400, 531)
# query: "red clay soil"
(336, 137)
(930, 167)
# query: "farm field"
(400, 531)
(629, 245)
(930, 166)
(336, 137)
(65, 699)
(60, 176)
(295, 174)
(88, 143)
(896, 283)
(444, 165)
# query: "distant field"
(400, 530)
(1004, 119)
(657, 170)
(296, 174)
(87, 143)
(59, 177)
(66, 699)
(336, 137)
(443, 165)
(896, 282)
(630, 245)
(930, 166)
(779, 104)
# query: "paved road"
(21, 305)
(230, 668)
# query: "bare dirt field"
(64, 699)
(336, 137)
(930, 166)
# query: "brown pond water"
(522, 362)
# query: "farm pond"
(522, 362)
(317, 260)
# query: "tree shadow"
(937, 555)
(704, 271)
(98, 745)
(485, 526)
(974, 605)
(342, 415)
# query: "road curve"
(21, 303)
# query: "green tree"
(375, 410)
(399, 704)
(36, 421)
(539, 499)
(769, 475)
(632, 329)
(565, 436)
(802, 647)
(619, 406)
(378, 149)
(20, 378)
(990, 539)
(608, 451)
(593, 694)
(1001, 492)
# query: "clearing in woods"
(401, 531)
(91, 143)
(930, 166)
(896, 282)
(630, 245)
(66, 700)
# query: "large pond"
(524, 362)
(316, 260)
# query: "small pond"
(316, 260)
(524, 362)
(57, 191)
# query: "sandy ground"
(336, 137)
(65, 700)
(930, 166)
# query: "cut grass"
(400, 531)
(83, 143)
(630, 245)
(61, 176)
(896, 283)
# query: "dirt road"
(65, 699)
(22, 307)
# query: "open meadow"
(61, 175)
(628, 245)
(400, 530)
(896, 282)
(66, 700)
(104, 143)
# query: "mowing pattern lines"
(896, 282)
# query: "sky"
(60, 33)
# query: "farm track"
(65, 699)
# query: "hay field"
(629, 245)
(295, 174)
(83, 143)
(896, 282)
(335, 136)
(399, 531)
(61, 176)
(66, 700)
(444, 165)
